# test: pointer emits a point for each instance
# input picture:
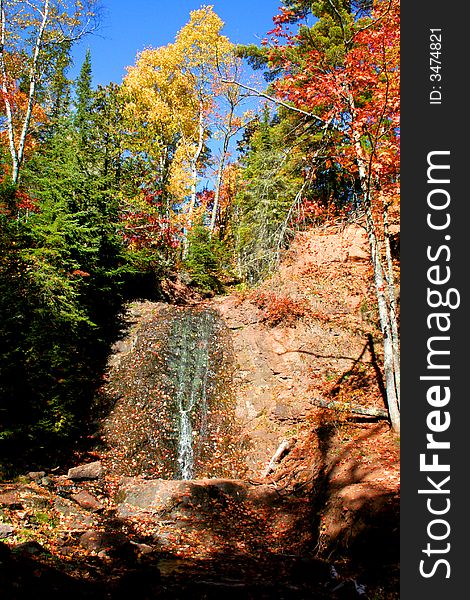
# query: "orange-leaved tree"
(342, 72)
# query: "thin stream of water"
(189, 338)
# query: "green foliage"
(291, 175)
(54, 319)
(83, 119)
(7, 199)
(204, 260)
(258, 58)
(61, 274)
(269, 190)
(58, 91)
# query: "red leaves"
(279, 309)
(141, 229)
(359, 95)
(286, 15)
(153, 198)
(25, 202)
(19, 202)
(205, 197)
(80, 273)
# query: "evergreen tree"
(58, 92)
(84, 100)
(270, 191)
(61, 275)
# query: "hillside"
(287, 497)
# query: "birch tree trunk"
(194, 163)
(393, 303)
(383, 280)
(5, 92)
(33, 75)
(385, 318)
(17, 151)
(26, 32)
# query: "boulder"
(173, 498)
(158, 496)
(6, 530)
(87, 501)
(31, 548)
(74, 517)
(142, 549)
(106, 543)
(92, 470)
(36, 475)
(11, 499)
(31, 499)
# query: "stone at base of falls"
(111, 543)
(71, 515)
(92, 470)
(88, 501)
(171, 498)
(36, 475)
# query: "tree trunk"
(367, 411)
(17, 154)
(284, 447)
(385, 322)
(8, 109)
(393, 304)
(194, 163)
(218, 184)
(381, 289)
(193, 166)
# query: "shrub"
(279, 309)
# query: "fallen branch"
(284, 447)
(378, 413)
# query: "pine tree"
(83, 118)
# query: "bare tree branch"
(256, 92)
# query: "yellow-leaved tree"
(171, 95)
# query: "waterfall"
(173, 409)
(189, 339)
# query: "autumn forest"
(197, 171)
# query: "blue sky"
(130, 26)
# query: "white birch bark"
(382, 287)
(218, 183)
(5, 91)
(17, 139)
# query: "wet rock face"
(172, 401)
